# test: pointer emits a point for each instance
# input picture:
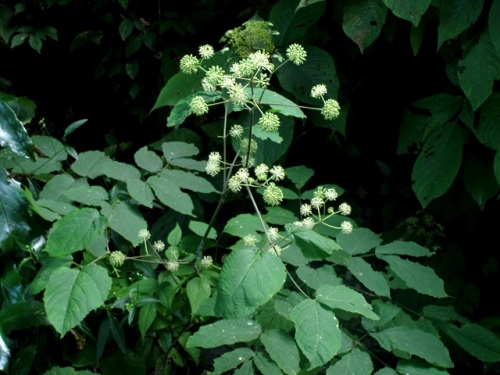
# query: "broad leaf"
(437, 164)
(360, 241)
(249, 278)
(127, 221)
(373, 280)
(225, 332)
(189, 181)
(141, 192)
(421, 278)
(90, 164)
(408, 10)
(49, 266)
(74, 232)
(148, 160)
(317, 332)
(299, 175)
(265, 365)
(147, 315)
(278, 102)
(311, 243)
(200, 228)
(414, 342)
(488, 131)
(12, 133)
(182, 108)
(50, 147)
(494, 25)
(171, 195)
(363, 20)
(480, 180)
(403, 248)
(71, 294)
(282, 349)
(22, 315)
(315, 278)
(355, 362)
(120, 171)
(344, 298)
(231, 360)
(242, 225)
(198, 290)
(55, 188)
(456, 16)
(178, 150)
(88, 195)
(415, 366)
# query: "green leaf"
(55, 188)
(148, 160)
(403, 248)
(242, 225)
(231, 360)
(373, 280)
(344, 298)
(360, 241)
(90, 164)
(132, 68)
(120, 171)
(22, 315)
(311, 243)
(494, 25)
(188, 181)
(71, 294)
(67, 371)
(147, 315)
(317, 332)
(437, 165)
(127, 221)
(178, 150)
(14, 212)
(49, 266)
(177, 88)
(126, 27)
(299, 175)
(408, 10)
(50, 147)
(74, 232)
(496, 166)
(292, 18)
(318, 68)
(478, 71)
(198, 290)
(182, 109)
(415, 366)
(23, 107)
(278, 102)
(421, 278)
(35, 42)
(315, 278)
(12, 133)
(200, 228)
(265, 365)
(487, 131)
(249, 278)
(88, 195)
(480, 180)
(141, 192)
(456, 16)
(225, 332)
(18, 39)
(414, 342)
(282, 349)
(475, 340)
(73, 126)
(355, 362)
(363, 20)
(171, 195)
(416, 37)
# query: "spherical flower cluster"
(277, 173)
(273, 234)
(236, 131)
(346, 227)
(273, 195)
(317, 202)
(244, 146)
(213, 165)
(296, 54)
(215, 75)
(345, 209)
(276, 250)
(158, 246)
(260, 60)
(318, 91)
(331, 194)
(198, 105)
(237, 94)
(307, 223)
(250, 240)
(237, 180)
(172, 265)
(144, 234)
(331, 109)
(305, 209)
(189, 64)
(206, 51)
(261, 172)
(269, 122)
(207, 261)
(117, 258)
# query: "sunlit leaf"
(344, 298)
(12, 133)
(355, 362)
(225, 332)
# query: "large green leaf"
(249, 278)
(225, 332)
(421, 278)
(177, 87)
(282, 349)
(12, 133)
(189, 181)
(76, 231)
(242, 225)
(90, 164)
(360, 241)
(127, 221)
(71, 294)
(299, 175)
(478, 71)
(344, 298)
(311, 243)
(456, 16)
(488, 131)
(408, 10)
(148, 160)
(13, 212)
(475, 340)
(198, 290)
(355, 362)
(86, 194)
(178, 150)
(171, 195)
(67, 371)
(437, 164)
(23, 107)
(120, 171)
(480, 179)
(317, 332)
(141, 192)
(49, 266)
(231, 360)
(363, 20)
(415, 366)
(50, 147)
(494, 25)
(373, 280)
(265, 365)
(57, 185)
(21, 315)
(315, 278)
(278, 102)
(403, 248)
(415, 342)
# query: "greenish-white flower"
(198, 105)
(296, 53)
(273, 195)
(172, 265)
(308, 223)
(277, 173)
(250, 240)
(117, 258)
(206, 51)
(213, 165)
(189, 64)
(331, 194)
(244, 146)
(260, 59)
(237, 94)
(317, 202)
(269, 122)
(261, 172)
(345, 209)
(305, 209)
(273, 234)
(234, 184)
(236, 131)
(346, 227)
(331, 109)
(318, 91)
(159, 246)
(207, 261)
(144, 234)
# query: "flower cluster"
(213, 165)
(331, 108)
(269, 122)
(117, 258)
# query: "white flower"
(305, 209)
(296, 53)
(331, 109)
(318, 91)
(206, 51)
(250, 240)
(158, 245)
(144, 234)
(331, 194)
(345, 209)
(236, 131)
(277, 173)
(172, 265)
(346, 227)
(207, 261)
(308, 223)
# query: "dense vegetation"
(269, 187)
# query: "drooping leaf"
(360, 241)
(22, 315)
(373, 280)
(415, 342)
(127, 221)
(141, 192)
(171, 195)
(147, 315)
(344, 298)
(421, 278)
(148, 160)
(317, 332)
(249, 278)
(225, 332)
(198, 290)
(355, 362)
(437, 164)
(403, 248)
(456, 16)
(231, 360)
(480, 180)
(408, 10)
(311, 243)
(282, 349)
(12, 133)
(75, 232)
(71, 294)
(363, 20)
(487, 131)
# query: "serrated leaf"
(198, 290)
(148, 160)
(403, 248)
(242, 225)
(90, 164)
(355, 362)
(12, 133)
(408, 10)
(127, 221)
(71, 294)
(147, 315)
(317, 332)
(50, 147)
(265, 365)
(74, 232)
(141, 192)
(315, 278)
(456, 16)
(49, 266)
(249, 278)
(277, 102)
(189, 181)
(360, 241)
(22, 315)
(414, 342)
(120, 171)
(311, 243)
(344, 298)
(200, 229)
(88, 195)
(421, 278)
(177, 150)
(231, 360)
(487, 131)
(225, 332)
(363, 20)
(475, 340)
(171, 195)
(437, 164)
(299, 175)
(480, 180)
(371, 279)
(282, 349)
